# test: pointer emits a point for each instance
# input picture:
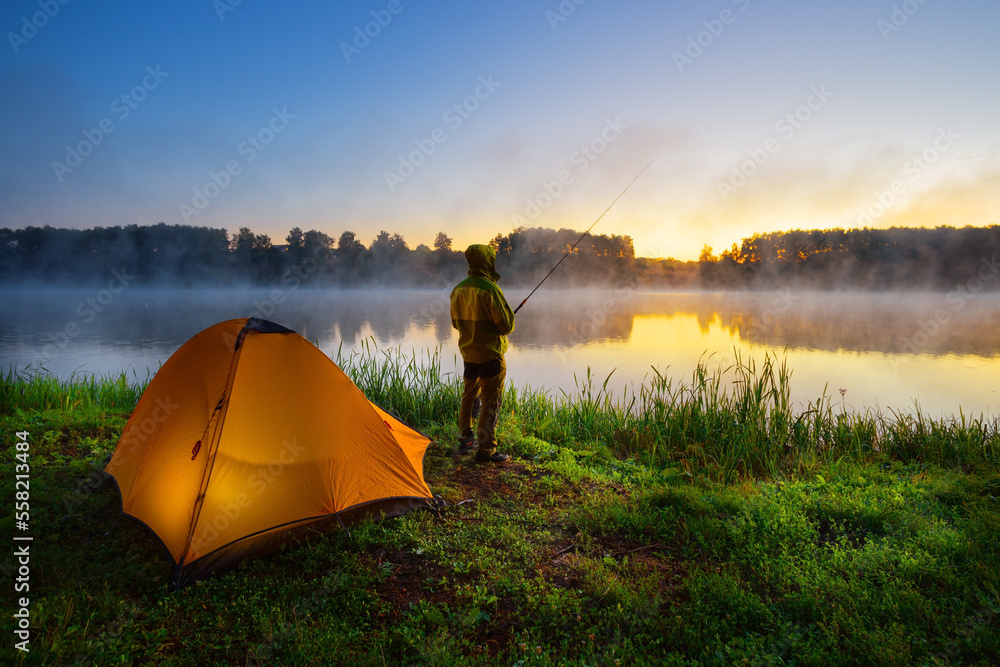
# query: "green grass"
(749, 430)
(681, 524)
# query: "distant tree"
(294, 238)
(442, 242)
(349, 246)
(528, 254)
(380, 241)
(386, 245)
(252, 256)
(316, 243)
(391, 262)
(734, 254)
(316, 255)
(506, 245)
(243, 241)
(350, 256)
(10, 265)
(398, 244)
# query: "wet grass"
(681, 525)
(37, 390)
(728, 422)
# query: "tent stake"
(341, 522)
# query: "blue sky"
(758, 116)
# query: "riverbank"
(682, 525)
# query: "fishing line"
(573, 247)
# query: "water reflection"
(890, 323)
(905, 346)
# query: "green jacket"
(479, 310)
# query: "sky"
(475, 117)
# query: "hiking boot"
(495, 457)
(467, 446)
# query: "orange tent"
(249, 437)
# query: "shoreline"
(596, 543)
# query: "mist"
(553, 319)
(943, 259)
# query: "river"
(940, 352)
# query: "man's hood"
(482, 261)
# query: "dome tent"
(249, 437)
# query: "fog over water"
(889, 350)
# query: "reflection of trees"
(895, 323)
(881, 323)
(557, 318)
(355, 314)
(165, 319)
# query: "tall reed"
(34, 390)
(411, 387)
(735, 419)
(730, 420)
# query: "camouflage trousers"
(489, 391)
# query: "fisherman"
(483, 318)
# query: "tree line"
(898, 258)
(188, 256)
(942, 258)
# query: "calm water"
(888, 351)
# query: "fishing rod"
(573, 247)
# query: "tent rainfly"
(248, 438)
